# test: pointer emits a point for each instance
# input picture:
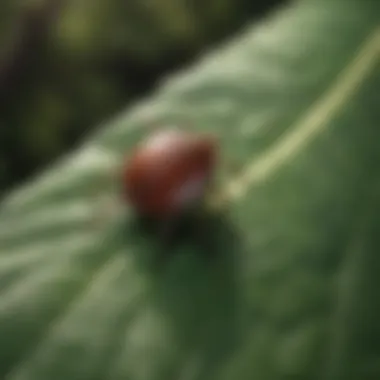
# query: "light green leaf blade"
(291, 291)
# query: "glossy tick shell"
(168, 172)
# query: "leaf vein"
(308, 126)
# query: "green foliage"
(291, 289)
(149, 30)
(91, 57)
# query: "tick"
(169, 173)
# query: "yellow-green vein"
(308, 126)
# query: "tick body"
(169, 172)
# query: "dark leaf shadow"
(195, 285)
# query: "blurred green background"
(68, 65)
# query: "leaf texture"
(291, 290)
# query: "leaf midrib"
(308, 126)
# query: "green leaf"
(291, 291)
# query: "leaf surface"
(291, 291)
